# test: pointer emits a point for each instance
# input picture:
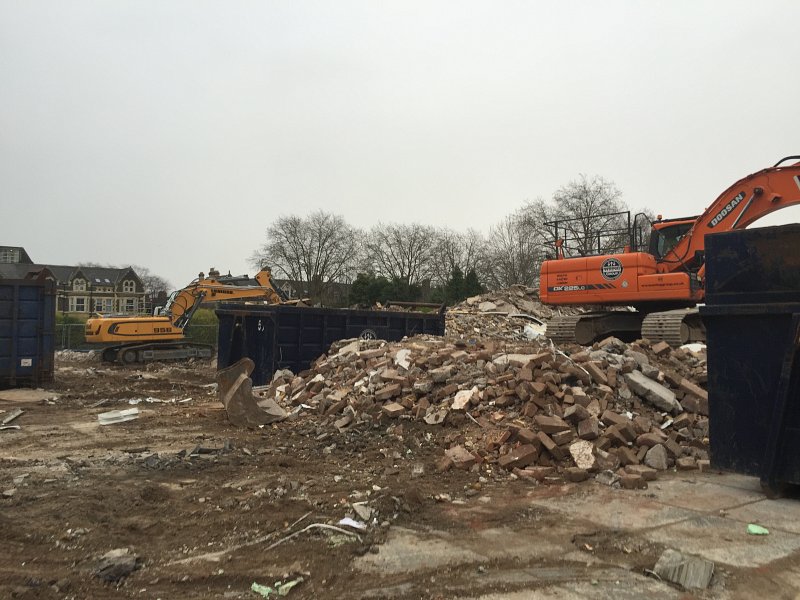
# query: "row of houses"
(84, 289)
(80, 289)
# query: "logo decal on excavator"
(797, 180)
(611, 269)
(727, 210)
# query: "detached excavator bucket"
(235, 389)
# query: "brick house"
(81, 289)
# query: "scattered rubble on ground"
(117, 564)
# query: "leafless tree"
(153, 284)
(513, 252)
(318, 250)
(402, 252)
(585, 209)
(456, 250)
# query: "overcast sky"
(171, 133)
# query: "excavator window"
(664, 239)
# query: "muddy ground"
(202, 503)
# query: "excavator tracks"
(137, 354)
(676, 327)
(562, 329)
(586, 328)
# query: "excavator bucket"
(235, 389)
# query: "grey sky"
(170, 133)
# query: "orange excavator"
(139, 339)
(662, 284)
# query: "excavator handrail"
(777, 164)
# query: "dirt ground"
(202, 503)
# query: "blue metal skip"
(27, 332)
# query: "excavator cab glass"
(665, 238)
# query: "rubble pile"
(618, 412)
(514, 313)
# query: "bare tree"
(456, 250)
(587, 210)
(319, 249)
(153, 284)
(401, 252)
(513, 252)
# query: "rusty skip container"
(27, 332)
(292, 337)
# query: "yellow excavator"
(139, 339)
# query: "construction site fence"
(71, 336)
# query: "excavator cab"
(666, 234)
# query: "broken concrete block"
(582, 453)
(656, 458)
(653, 392)
(691, 572)
(650, 371)
(463, 398)
(686, 463)
(116, 565)
(435, 416)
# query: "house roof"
(23, 256)
(21, 270)
(63, 273)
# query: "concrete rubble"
(617, 412)
(690, 572)
(514, 313)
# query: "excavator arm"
(740, 205)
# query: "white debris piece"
(118, 416)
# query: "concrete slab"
(407, 550)
(27, 395)
(780, 514)
(725, 541)
(700, 494)
(615, 509)
(611, 584)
